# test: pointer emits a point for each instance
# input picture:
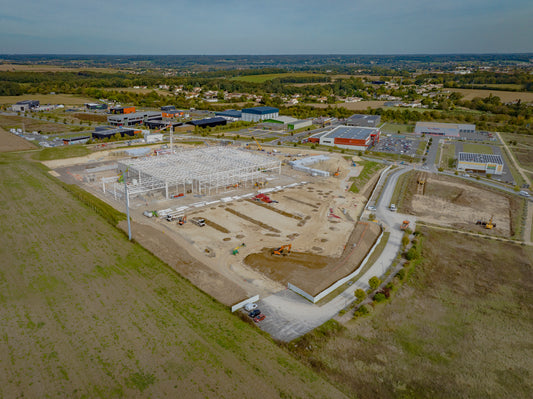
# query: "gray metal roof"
(480, 158)
(349, 132)
(260, 110)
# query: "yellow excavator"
(489, 224)
(284, 250)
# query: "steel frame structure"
(203, 171)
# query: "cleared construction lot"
(315, 215)
(452, 202)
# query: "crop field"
(85, 313)
(505, 96)
(66, 99)
(18, 122)
(460, 326)
(12, 142)
(264, 78)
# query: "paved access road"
(289, 315)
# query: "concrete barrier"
(338, 283)
(239, 305)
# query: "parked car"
(259, 318)
(371, 208)
(254, 313)
(393, 208)
(250, 306)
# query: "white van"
(523, 193)
(392, 207)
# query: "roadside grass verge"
(369, 169)
(69, 151)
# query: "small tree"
(374, 282)
(405, 240)
(360, 295)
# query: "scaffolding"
(203, 171)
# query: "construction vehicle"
(236, 249)
(198, 221)
(182, 220)
(284, 250)
(488, 225)
(404, 225)
(260, 184)
(337, 172)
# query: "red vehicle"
(259, 318)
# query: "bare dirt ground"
(12, 142)
(449, 202)
(314, 273)
(300, 218)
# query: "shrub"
(401, 274)
(379, 297)
(363, 310)
(405, 240)
(374, 282)
(412, 254)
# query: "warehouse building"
(363, 120)
(444, 129)
(76, 140)
(257, 114)
(105, 132)
(94, 106)
(231, 115)
(173, 113)
(349, 137)
(135, 118)
(480, 163)
(25, 105)
(299, 124)
(208, 122)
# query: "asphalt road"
(289, 315)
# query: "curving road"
(289, 315)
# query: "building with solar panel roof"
(480, 163)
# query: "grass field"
(264, 78)
(370, 168)
(30, 124)
(397, 128)
(477, 148)
(85, 313)
(459, 327)
(448, 153)
(523, 150)
(66, 99)
(505, 96)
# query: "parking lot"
(397, 145)
(479, 136)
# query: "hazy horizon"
(208, 27)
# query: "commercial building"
(299, 124)
(208, 122)
(76, 140)
(363, 120)
(93, 106)
(173, 113)
(231, 115)
(122, 110)
(480, 163)
(257, 114)
(444, 129)
(135, 118)
(25, 105)
(160, 124)
(349, 137)
(104, 132)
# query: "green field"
(460, 327)
(370, 168)
(87, 314)
(477, 148)
(264, 78)
(390, 127)
(448, 153)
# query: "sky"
(265, 27)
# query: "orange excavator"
(284, 250)
(337, 172)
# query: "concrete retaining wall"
(239, 305)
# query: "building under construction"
(203, 171)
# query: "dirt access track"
(317, 218)
(449, 201)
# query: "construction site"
(447, 201)
(237, 222)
